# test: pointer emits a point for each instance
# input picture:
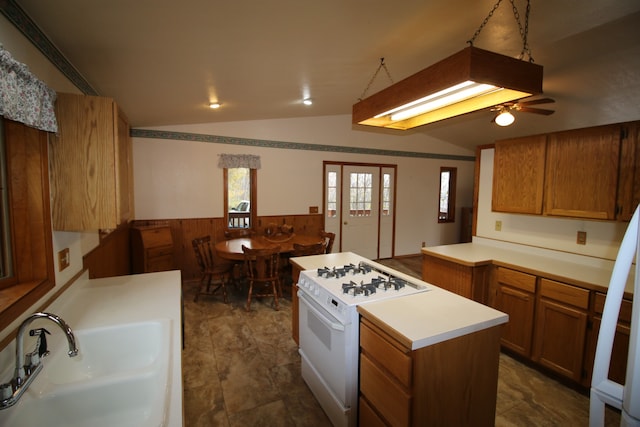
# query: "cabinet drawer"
(389, 399)
(572, 295)
(393, 359)
(367, 417)
(517, 279)
(625, 308)
(163, 263)
(159, 251)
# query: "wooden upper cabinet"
(582, 172)
(629, 178)
(518, 175)
(91, 164)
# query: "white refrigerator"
(604, 391)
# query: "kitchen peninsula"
(551, 297)
(425, 356)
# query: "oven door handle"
(322, 316)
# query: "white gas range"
(329, 327)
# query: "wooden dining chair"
(261, 266)
(237, 233)
(312, 249)
(329, 237)
(215, 272)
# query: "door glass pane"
(332, 194)
(386, 194)
(360, 194)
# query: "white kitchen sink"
(121, 377)
(112, 350)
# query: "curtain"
(228, 161)
(24, 98)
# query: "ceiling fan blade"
(537, 101)
(536, 110)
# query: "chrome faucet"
(27, 368)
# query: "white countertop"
(587, 272)
(421, 319)
(431, 317)
(125, 299)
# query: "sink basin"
(109, 351)
(119, 378)
(134, 401)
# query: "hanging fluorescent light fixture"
(470, 80)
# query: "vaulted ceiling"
(164, 61)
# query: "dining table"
(232, 249)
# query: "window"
(447, 205)
(332, 194)
(30, 221)
(239, 197)
(361, 186)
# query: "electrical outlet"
(582, 238)
(63, 259)
(498, 225)
(423, 244)
(313, 209)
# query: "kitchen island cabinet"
(415, 364)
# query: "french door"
(360, 208)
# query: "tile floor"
(243, 369)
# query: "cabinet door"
(519, 305)
(582, 172)
(518, 175)
(629, 178)
(560, 336)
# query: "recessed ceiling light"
(307, 101)
(214, 105)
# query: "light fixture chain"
(524, 32)
(381, 66)
(484, 23)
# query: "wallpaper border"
(215, 139)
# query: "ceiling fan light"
(505, 118)
(307, 101)
(214, 105)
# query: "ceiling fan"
(504, 116)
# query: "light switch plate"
(63, 259)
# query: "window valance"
(250, 161)
(24, 98)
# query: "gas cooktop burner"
(385, 283)
(355, 289)
(361, 268)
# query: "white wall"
(603, 237)
(78, 243)
(180, 179)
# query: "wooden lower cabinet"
(515, 295)
(295, 324)
(618, 366)
(468, 281)
(560, 328)
(446, 384)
